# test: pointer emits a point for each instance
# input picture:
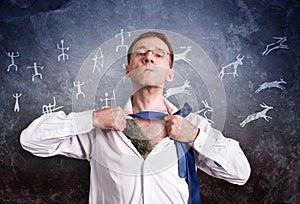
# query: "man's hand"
(180, 129)
(110, 118)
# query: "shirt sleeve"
(219, 156)
(60, 134)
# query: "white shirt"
(119, 174)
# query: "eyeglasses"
(158, 53)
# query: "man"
(139, 169)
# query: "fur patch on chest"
(138, 138)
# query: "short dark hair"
(150, 34)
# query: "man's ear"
(127, 71)
(170, 75)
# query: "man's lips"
(148, 69)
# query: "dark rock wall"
(33, 30)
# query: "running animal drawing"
(272, 84)
(180, 89)
(255, 116)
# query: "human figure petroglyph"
(121, 34)
(98, 60)
(63, 55)
(272, 84)
(277, 45)
(177, 90)
(36, 71)
(107, 100)
(78, 86)
(12, 57)
(255, 116)
(17, 96)
(234, 64)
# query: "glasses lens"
(157, 52)
(160, 53)
(141, 52)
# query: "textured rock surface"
(223, 29)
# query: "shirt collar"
(170, 107)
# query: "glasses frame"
(156, 52)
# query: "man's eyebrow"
(143, 47)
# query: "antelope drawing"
(255, 116)
(272, 84)
(182, 56)
(206, 109)
(234, 64)
(276, 45)
(180, 89)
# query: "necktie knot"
(152, 115)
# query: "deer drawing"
(180, 89)
(272, 84)
(234, 64)
(255, 116)
(182, 56)
(206, 109)
(277, 45)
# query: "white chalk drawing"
(79, 91)
(121, 34)
(17, 96)
(182, 56)
(98, 60)
(36, 71)
(12, 55)
(255, 116)
(272, 84)
(112, 100)
(177, 90)
(276, 45)
(206, 109)
(63, 55)
(51, 107)
(234, 64)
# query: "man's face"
(149, 63)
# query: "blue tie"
(186, 160)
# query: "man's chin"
(148, 86)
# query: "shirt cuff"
(200, 141)
(83, 121)
(206, 140)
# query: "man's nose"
(149, 58)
